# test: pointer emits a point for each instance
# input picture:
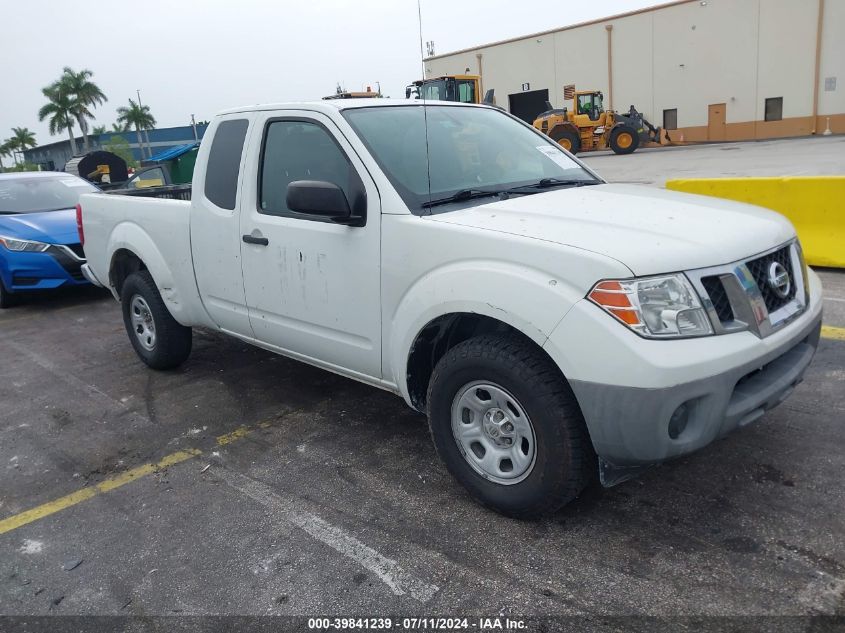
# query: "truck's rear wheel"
(159, 340)
(624, 139)
(567, 138)
(508, 427)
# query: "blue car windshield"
(41, 193)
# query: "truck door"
(215, 231)
(312, 286)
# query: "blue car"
(39, 242)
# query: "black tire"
(564, 462)
(628, 135)
(172, 343)
(566, 135)
(7, 300)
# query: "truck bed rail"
(171, 192)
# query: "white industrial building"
(711, 69)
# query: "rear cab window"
(224, 163)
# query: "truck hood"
(651, 231)
(51, 227)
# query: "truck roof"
(337, 104)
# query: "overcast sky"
(200, 57)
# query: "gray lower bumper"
(629, 426)
(89, 275)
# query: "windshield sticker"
(73, 182)
(556, 155)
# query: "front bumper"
(56, 267)
(628, 388)
(636, 421)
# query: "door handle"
(251, 239)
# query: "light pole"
(146, 136)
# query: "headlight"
(25, 246)
(654, 307)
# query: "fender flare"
(465, 287)
(130, 237)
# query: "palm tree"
(6, 149)
(24, 138)
(139, 117)
(118, 127)
(98, 129)
(59, 109)
(85, 94)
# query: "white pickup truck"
(553, 327)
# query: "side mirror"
(322, 198)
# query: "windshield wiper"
(463, 194)
(546, 183)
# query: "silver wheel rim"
(493, 432)
(142, 322)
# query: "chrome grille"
(759, 269)
(739, 296)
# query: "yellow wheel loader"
(588, 126)
(458, 88)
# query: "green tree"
(138, 117)
(118, 127)
(98, 129)
(120, 146)
(84, 94)
(59, 111)
(24, 138)
(6, 149)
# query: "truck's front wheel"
(508, 427)
(159, 340)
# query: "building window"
(774, 109)
(670, 119)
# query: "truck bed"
(153, 225)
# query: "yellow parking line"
(62, 503)
(836, 333)
(238, 433)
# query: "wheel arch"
(123, 263)
(478, 295)
(133, 249)
(444, 332)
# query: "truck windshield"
(469, 149)
(35, 194)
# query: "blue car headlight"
(23, 246)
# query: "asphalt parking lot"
(246, 483)
(815, 156)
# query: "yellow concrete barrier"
(814, 204)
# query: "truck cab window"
(300, 150)
(224, 163)
(466, 91)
